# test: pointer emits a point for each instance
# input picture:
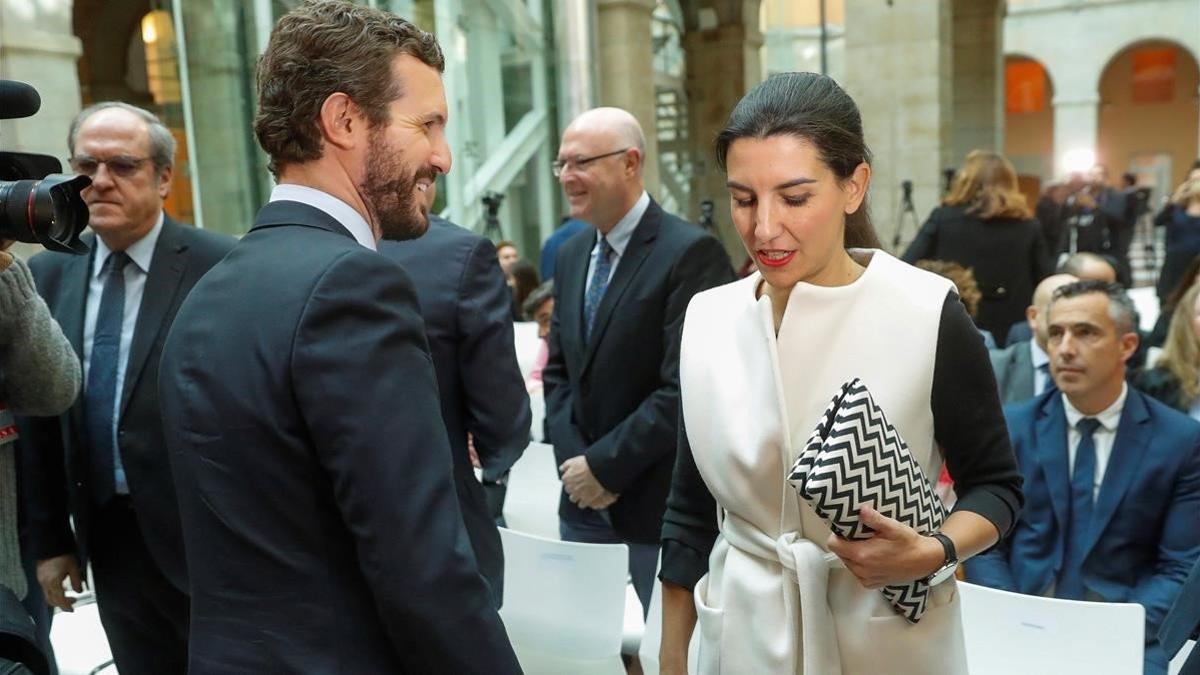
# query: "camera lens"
(49, 211)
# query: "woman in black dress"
(985, 224)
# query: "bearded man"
(321, 525)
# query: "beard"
(389, 190)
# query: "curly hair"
(321, 48)
(963, 278)
(1181, 351)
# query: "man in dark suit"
(315, 479)
(116, 306)
(467, 308)
(612, 378)
(1183, 623)
(1112, 477)
(1023, 367)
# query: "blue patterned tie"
(108, 476)
(595, 291)
(1083, 482)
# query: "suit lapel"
(573, 289)
(1129, 446)
(166, 271)
(1052, 454)
(640, 245)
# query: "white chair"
(80, 645)
(1145, 300)
(1176, 665)
(531, 502)
(633, 630)
(537, 415)
(564, 604)
(1012, 633)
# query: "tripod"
(906, 210)
(491, 219)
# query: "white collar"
(342, 212)
(1039, 355)
(140, 252)
(618, 237)
(1109, 418)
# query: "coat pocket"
(933, 646)
(712, 622)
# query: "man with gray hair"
(612, 376)
(1112, 477)
(103, 464)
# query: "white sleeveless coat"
(774, 601)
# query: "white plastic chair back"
(564, 603)
(80, 644)
(1012, 633)
(531, 503)
(1176, 665)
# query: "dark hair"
(1120, 306)
(318, 49)
(815, 108)
(1185, 283)
(536, 298)
(524, 281)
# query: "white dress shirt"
(340, 211)
(1104, 436)
(141, 254)
(618, 238)
(1041, 376)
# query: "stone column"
(723, 63)
(627, 70)
(898, 69)
(978, 77)
(37, 47)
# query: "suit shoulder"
(1170, 420)
(206, 242)
(1022, 410)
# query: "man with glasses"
(612, 378)
(115, 307)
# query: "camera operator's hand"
(51, 573)
(6, 257)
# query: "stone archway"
(1029, 122)
(1149, 112)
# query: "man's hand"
(895, 553)
(50, 575)
(582, 487)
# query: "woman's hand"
(895, 553)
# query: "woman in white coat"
(773, 589)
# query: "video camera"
(38, 203)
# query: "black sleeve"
(924, 246)
(1042, 262)
(968, 422)
(497, 405)
(690, 524)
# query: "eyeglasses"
(122, 166)
(561, 166)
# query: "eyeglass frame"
(136, 163)
(561, 166)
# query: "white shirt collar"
(1109, 418)
(1039, 355)
(618, 238)
(141, 252)
(342, 212)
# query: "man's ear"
(341, 121)
(1129, 345)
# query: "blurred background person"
(1118, 206)
(984, 224)
(539, 308)
(1023, 367)
(508, 255)
(968, 290)
(1158, 335)
(1181, 218)
(568, 228)
(1175, 377)
(523, 278)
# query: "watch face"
(943, 573)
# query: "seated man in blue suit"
(1112, 477)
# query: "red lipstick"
(774, 262)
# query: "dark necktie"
(595, 291)
(101, 394)
(1083, 482)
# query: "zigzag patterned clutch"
(855, 458)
